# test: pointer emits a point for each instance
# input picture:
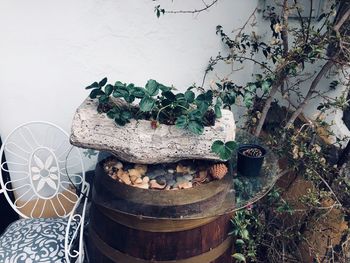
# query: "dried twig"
(194, 11)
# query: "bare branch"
(284, 32)
(326, 67)
(194, 11)
(281, 72)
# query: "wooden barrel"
(132, 225)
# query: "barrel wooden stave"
(135, 242)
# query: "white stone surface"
(137, 142)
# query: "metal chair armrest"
(78, 233)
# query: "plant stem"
(266, 108)
(161, 109)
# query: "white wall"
(51, 50)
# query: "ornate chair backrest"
(46, 172)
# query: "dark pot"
(249, 165)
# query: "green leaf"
(181, 122)
(219, 85)
(265, 86)
(163, 87)
(240, 242)
(103, 98)
(209, 96)
(229, 98)
(251, 87)
(92, 86)
(109, 89)
(217, 146)
(152, 87)
(120, 121)
(217, 108)
(130, 86)
(180, 96)
(119, 84)
(240, 257)
(224, 150)
(147, 104)
(102, 82)
(129, 98)
(126, 115)
(231, 145)
(169, 95)
(245, 234)
(248, 100)
(195, 115)
(96, 92)
(120, 92)
(138, 92)
(196, 127)
(189, 96)
(111, 113)
(203, 106)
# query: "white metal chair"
(48, 183)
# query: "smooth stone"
(145, 179)
(181, 179)
(171, 171)
(154, 185)
(155, 173)
(188, 177)
(138, 181)
(161, 180)
(169, 177)
(171, 182)
(185, 185)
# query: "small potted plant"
(250, 158)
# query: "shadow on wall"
(8, 215)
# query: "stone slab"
(137, 142)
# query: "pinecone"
(252, 152)
(209, 118)
(218, 171)
(104, 107)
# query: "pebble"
(156, 173)
(161, 180)
(125, 178)
(185, 185)
(191, 172)
(171, 182)
(134, 172)
(143, 185)
(138, 181)
(159, 176)
(188, 177)
(169, 177)
(154, 185)
(118, 165)
(134, 178)
(142, 168)
(181, 179)
(145, 179)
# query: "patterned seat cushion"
(39, 240)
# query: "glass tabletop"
(215, 198)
